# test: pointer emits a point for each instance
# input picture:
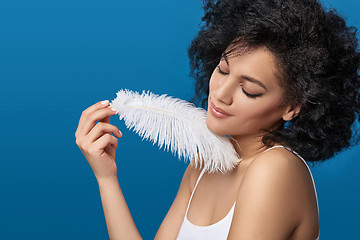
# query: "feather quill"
(178, 125)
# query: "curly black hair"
(318, 64)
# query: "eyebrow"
(250, 79)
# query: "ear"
(291, 112)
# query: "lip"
(218, 112)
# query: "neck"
(248, 146)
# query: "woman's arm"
(119, 221)
(99, 148)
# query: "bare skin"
(273, 190)
(216, 194)
(99, 148)
(285, 215)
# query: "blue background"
(59, 57)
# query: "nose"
(224, 90)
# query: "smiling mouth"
(218, 112)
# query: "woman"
(280, 78)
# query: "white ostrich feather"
(177, 124)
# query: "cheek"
(266, 112)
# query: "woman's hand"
(95, 140)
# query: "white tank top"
(220, 229)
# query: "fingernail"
(105, 102)
(120, 133)
(113, 109)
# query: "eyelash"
(246, 93)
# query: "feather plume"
(178, 125)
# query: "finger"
(100, 129)
(91, 119)
(89, 111)
(106, 140)
(106, 119)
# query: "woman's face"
(247, 89)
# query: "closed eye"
(220, 71)
(246, 93)
(251, 95)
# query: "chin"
(216, 128)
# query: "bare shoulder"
(275, 192)
(279, 163)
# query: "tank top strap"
(200, 175)
(289, 149)
(312, 178)
(277, 146)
